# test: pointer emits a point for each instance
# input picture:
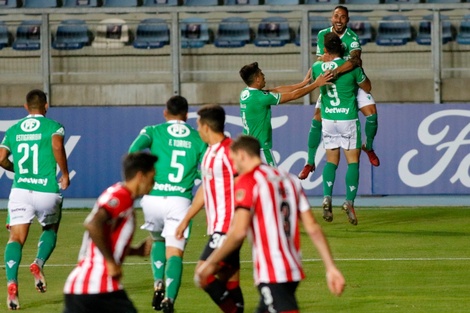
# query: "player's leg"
(314, 139)
(278, 298)
(268, 157)
(366, 104)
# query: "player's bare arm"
(4, 161)
(143, 249)
(289, 88)
(296, 94)
(95, 223)
(353, 62)
(196, 205)
(366, 85)
(61, 159)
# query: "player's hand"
(179, 233)
(335, 281)
(308, 77)
(334, 72)
(203, 272)
(324, 79)
(64, 182)
(143, 249)
(114, 270)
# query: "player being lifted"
(366, 103)
(179, 150)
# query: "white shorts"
(341, 134)
(163, 215)
(24, 205)
(363, 99)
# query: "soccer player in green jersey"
(255, 104)
(179, 149)
(340, 124)
(36, 144)
(366, 103)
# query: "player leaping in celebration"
(366, 103)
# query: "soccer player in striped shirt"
(216, 193)
(268, 206)
(94, 285)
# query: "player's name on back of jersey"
(179, 143)
(28, 137)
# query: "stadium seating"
(8, 4)
(363, 4)
(40, 3)
(332, 2)
(402, 3)
(233, 32)
(317, 23)
(81, 3)
(241, 2)
(111, 33)
(4, 36)
(152, 33)
(463, 37)
(424, 30)
(394, 30)
(281, 2)
(273, 32)
(443, 1)
(201, 2)
(154, 3)
(71, 35)
(28, 36)
(362, 27)
(194, 32)
(120, 3)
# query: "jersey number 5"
(177, 165)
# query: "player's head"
(333, 45)
(36, 100)
(139, 169)
(252, 74)
(211, 120)
(177, 106)
(340, 19)
(245, 153)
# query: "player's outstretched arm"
(289, 88)
(296, 94)
(334, 278)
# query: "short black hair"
(247, 143)
(177, 106)
(342, 7)
(133, 163)
(212, 115)
(36, 99)
(333, 44)
(248, 73)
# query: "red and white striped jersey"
(218, 182)
(275, 200)
(90, 276)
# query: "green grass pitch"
(397, 260)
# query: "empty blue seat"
(194, 32)
(201, 2)
(424, 30)
(4, 36)
(40, 3)
(233, 32)
(120, 3)
(28, 36)
(8, 4)
(152, 33)
(71, 35)
(362, 27)
(241, 2)
(316, 23)
(155, 3)
(273, 32)
(394, 30)
(463, 37)
(80, 3)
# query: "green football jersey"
(30, 143)
(338, 99)
(349, 39)
(255, 111)
(179, 149)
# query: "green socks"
(158, 259)
(13, 252)
(329, 176)
(173, 273)
(46, 246)
(371, 130)
(314, 139)
(352, 181)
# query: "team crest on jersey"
(178, 130)
(328, 66)
(240, 194)
(113, 202)
(244, 95)
(30, 125)
(355, 45)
